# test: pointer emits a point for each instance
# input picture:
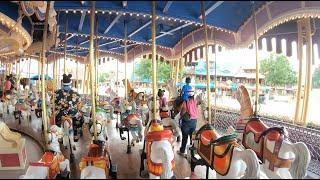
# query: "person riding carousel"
(66, 104)
(163, 104)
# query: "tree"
(144, 68)
(278, 71)
(103, 77)
(316, 78)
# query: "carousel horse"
(101, 117)
(116, 108)
(281, 158)
(138, 97)
(97, 164)
(133, 123)
(7, 103)
(52, 164)
(167, 121)
(22, 110)
(68, 137)
(158, 152)
(223, 154)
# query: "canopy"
(36, 77)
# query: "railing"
(311, 137)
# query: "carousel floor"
(127, 164)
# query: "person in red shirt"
(7, 85)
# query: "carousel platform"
(127, 164)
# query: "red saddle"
(257, 127)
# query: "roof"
(174, 18)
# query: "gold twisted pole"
(43, 63)
(207, 60)
(257, 63)
(154, 60)
(92, 69)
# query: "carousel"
(55, 122)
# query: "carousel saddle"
(259, 129)
(96, 157)
(217, 150)
(50, 160)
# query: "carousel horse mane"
(93, 150)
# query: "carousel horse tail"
(166, 164)
(299, 166)
(252, 162)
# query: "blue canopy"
(36, 77)
(175, 17)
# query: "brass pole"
(77, 75)
(77, 67)
(154, 61)
(43, 61)
(65, 46)
(39, 72)
(299, 101)
(29, 75)
(91, 51)
(308, 85)
(207, 60)
(84, 79)
(125, 59)
(96, 64)
(117, 78)
(257, 63)
(182, 61)
(177, 71)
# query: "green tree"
(278, 71)
(316, 78)
(103, 77)
(144, 68)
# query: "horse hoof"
(65, 147)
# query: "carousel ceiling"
(174, 20)
(177, 22)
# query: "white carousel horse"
(101, 118)
(52, 163)
(159, 152)
(168, 122)
(134, 123)
(282, 158)
(68, 137)
(223, 154)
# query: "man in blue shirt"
(185, 89)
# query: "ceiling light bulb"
(130, 14)
(67, 12)
(74, 11)
(110, 12)
(103, 12)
